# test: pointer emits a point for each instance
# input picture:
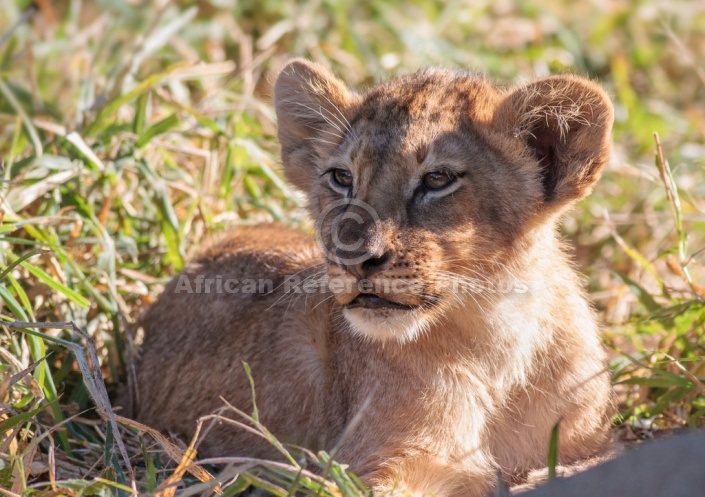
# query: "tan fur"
(463, 384)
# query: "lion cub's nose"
(365, 264)
(374, 264)
(361, 247)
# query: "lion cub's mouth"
(372, 301)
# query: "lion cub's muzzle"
(368, 271)
(379, 286)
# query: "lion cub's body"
(431, 390)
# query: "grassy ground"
(131, 133)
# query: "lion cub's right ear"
(313, 113)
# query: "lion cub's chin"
(386, 324)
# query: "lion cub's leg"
(426, 474)
(397, 452)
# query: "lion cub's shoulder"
(271, 247)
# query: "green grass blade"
(86, 151)
(19, 419)
(26, 121)
(13, 265)
(553, 452)
(40, 274)
(157, 129)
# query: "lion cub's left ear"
(565, 123)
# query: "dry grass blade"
(171, 450)
(667, 179)
(169, 486)
(92, 377)
(674, 201)
(9, 493)
(20, 375)
(696, 381)
(26, 15)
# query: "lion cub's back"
(227, 307)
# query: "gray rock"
(673, 467)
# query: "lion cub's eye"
(438, 180)
(342, 177)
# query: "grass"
(131, 133)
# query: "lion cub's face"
(425, 188)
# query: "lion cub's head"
(424, 187)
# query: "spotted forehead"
(402, 117)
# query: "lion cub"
(437, 307)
